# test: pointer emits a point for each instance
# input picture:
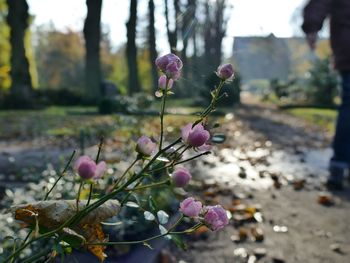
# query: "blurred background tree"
(92, 34)
(5, 48)
(83, 61)
(18, 21)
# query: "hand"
(311, 40)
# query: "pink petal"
(83, 158)
(100, 170)
(185, 131)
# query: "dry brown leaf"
(94, 234)
(52, 214)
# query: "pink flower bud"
(191, 208)
(196, 136)
(181, 176)
(225, 72)
(216, 217)
(172, 71)
(87, 168)
(145, 146)
(170, 65)
(162, 82)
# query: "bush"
(124, 104)
(323, 84)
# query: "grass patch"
(70, 122)
(324, 118)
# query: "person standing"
(315, 12)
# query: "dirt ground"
(270, 173)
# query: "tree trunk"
(17, 20)
(172, 34)
(215, 29)
(152, 45)
(92, 34)
(131, 50)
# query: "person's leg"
(340, 161)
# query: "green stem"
(212, 105)
(177, 222)
(192, 158)
(162, 114)
(77, 217)
(61, 175)
(149, 186)
(147, 239)
(96, 161)
(37, 256)
(54, 185)
(126, 172)
(179, 162)
(78, 195)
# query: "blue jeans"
(341, 142)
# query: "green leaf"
(118, 223)
(162, 229)
(163, 217)
(216, 125)
(72, 237)
(149, 216)
(163, 159)
(147, 245)
(132, 204)
(152, 203)
(178, 241)
(218, 138)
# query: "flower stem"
(61, 175)
(162, 114)
(191, 158)
(78, 195)
(126, 172)
(169, 232)
(149, 186)
(96, 161)
(77, 217)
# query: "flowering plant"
(71, 224)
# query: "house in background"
(270, 57)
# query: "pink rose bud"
(181, 176)
(225, 72)
(170, 65)
(196, 136)
(145, 146)
(172, 71)
(216, 217)
(162, 82)
(87, 168)
(191, 208)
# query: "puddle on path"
(254, 168)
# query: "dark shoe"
(334, 184)
(335, 180)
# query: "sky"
(247, 18)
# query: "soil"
(278, 164)
(272, 166)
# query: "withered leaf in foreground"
(53, 213)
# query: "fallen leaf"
(325, 199)
(258, 234)
(94, 234)
(52, 214)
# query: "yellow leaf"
(94, 234)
